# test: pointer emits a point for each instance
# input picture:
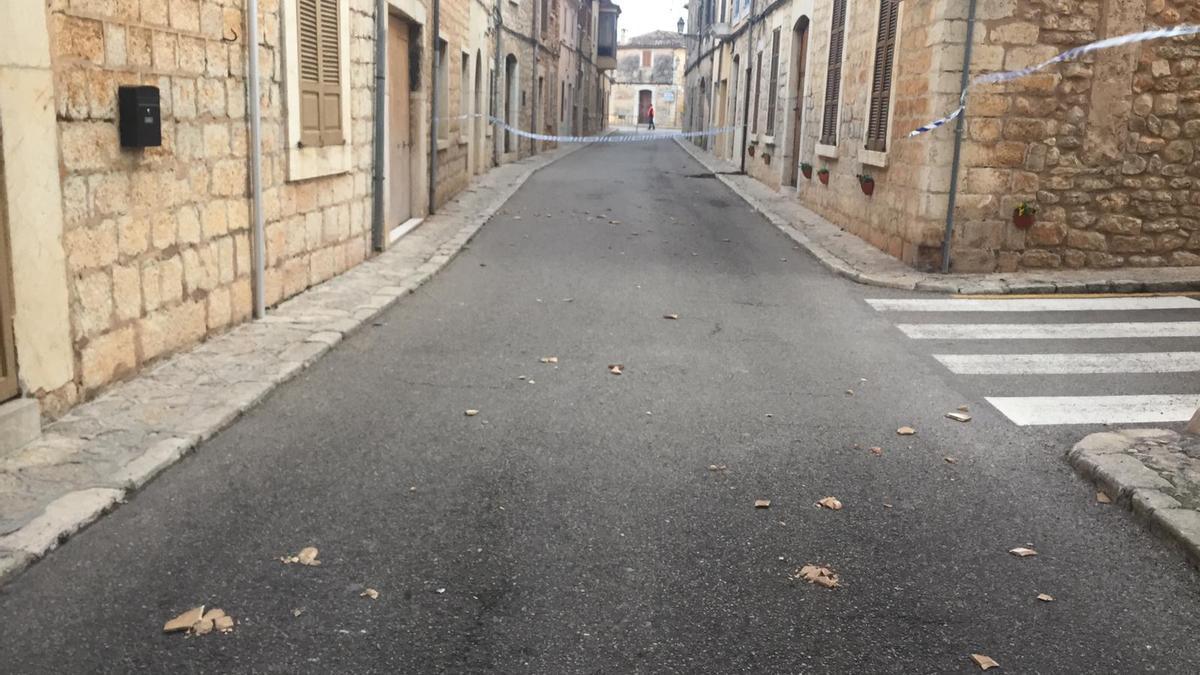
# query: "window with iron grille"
(772, 93)
(833, 78)
(881, 87)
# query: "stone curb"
(75, 510)
(1103, 459)
(872, 266)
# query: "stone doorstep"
(20, 424)
(75, 510)
(862, 263)
(1102, 458)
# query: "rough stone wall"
(1104, 147)
(158, 241)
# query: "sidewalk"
(92, 459)
(853, 258)
(1155, 473)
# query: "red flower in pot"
(823, 176)
(806, 169)
(867, 184)
(1024, 216)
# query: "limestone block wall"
(157, 240)
(454, 152)
(905, 215)
(1105, 147)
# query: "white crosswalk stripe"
(1046, 352)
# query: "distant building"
(649, 71)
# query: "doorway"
(479, 122)
(9, 386)
(400, 196)
(796, 96)
(511, 87)
(645, 98)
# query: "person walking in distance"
(650, 116)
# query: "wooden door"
(644, 101)
(800, 45)
(399, 123)
(9, 387)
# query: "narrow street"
(574, 524)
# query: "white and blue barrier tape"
(1070, 54)
(609, 138)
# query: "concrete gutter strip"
(851, 257)
(1148, 472)
(138, 428)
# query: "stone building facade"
(1103, 147)
(649, 72)
(116, 256)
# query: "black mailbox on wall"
(141, 117)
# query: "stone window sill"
(443, 144)
(829, 151)
(314, 162)
(873, 158)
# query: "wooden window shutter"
(833, 78)
(773, 92)
(320, 73)
(881, 88)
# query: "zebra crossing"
(1069, 358)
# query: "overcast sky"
(643, 16)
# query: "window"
(772, 93)
(562, 101)
(757, 90)
(464, 105)
(545, 16)
(881, 89)
(645, 58)
(443, 92)
(833, 78)
(319, 61)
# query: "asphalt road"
(573, 525)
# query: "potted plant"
(806, 169)
(867, 184)
(823, 176)
(1023, 215)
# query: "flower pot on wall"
(868, 187)
(1023, 221)
(823, 176)
(807, 171)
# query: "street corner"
(1153, 473)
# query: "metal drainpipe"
(381, 35)
(958, 138)
(497, 130)
(258, 281)
(433, 104)
(534, 79)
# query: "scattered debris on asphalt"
(815, 574)
(984, 662)
(471, 413)
(906, 431)
(298, 611)
(831, 503)
(672, 317)
(1022, 552)
(963, 408)
(849, 392)
(440, 591)
(198, 622)
(886, 505)
(369, 593)
(877, 451)
(1103, 498)
(958, 416)
(549, 359)
(762, 503)
(1045, 597)
(616, 368)
(306, 556)
(951, 460)
(716, 467)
